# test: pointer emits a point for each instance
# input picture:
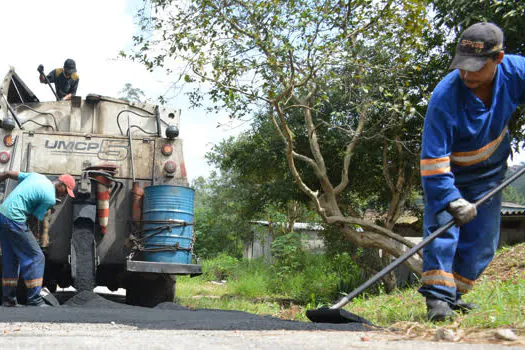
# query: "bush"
(219, 268)
(298, 275)
(288, 254)
(321, 278)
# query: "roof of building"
(508, 208)
(298, 226)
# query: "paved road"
(88, 321)
(47, 336)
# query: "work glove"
(462, 210)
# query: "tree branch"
(370, 227)
(291, 163)
(350, 150)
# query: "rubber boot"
(439, 310)
(11, 302)
(462, 306)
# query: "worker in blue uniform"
(66, 80)
(464, 154)
(34, 195)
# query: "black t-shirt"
(63, 85)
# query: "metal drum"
(168, 223)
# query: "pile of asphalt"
(88, 307)
(86, 299)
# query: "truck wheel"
(149, 289)
(83, 262)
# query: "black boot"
(439, 310)
(11, 303)
(462, 306)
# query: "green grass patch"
(255, 287)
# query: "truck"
(130, 224)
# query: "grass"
(250, 289)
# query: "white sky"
(92, 33)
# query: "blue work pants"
(454, 260)
(20, 254)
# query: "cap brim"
(468, 63)
(70, 192)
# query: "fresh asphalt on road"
(90, 307)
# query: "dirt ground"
(508, 265)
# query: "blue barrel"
(165, 209)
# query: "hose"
(37, 111)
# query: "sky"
(93, 33)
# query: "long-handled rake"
(335, 313)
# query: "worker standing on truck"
(464, 154)
(66, 80)
(33, 195)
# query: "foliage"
(252, 280)
(316, 277)
(288, 254)
(515, 192)
(219, 268)
(132, 94)
(342, 58)
(221, 218)
(256, 157)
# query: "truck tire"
(83, 259)
(149, 290)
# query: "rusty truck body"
(102, 141)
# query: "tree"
(290, 58)
(131, 94)
(220, 224)
(225, 204)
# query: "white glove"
(462, 210)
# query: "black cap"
(70, 66)
(477, 43)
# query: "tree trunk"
(370, 239)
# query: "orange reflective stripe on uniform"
(463, 284)
(10, 282)
(438, 277)
(37, 282)
(479, 155)
(434, 166)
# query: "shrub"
(321, 278)
(288, 254)
(219, 268)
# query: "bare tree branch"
(349, 151)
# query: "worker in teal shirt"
(21, 254)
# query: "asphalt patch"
(89, 307)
